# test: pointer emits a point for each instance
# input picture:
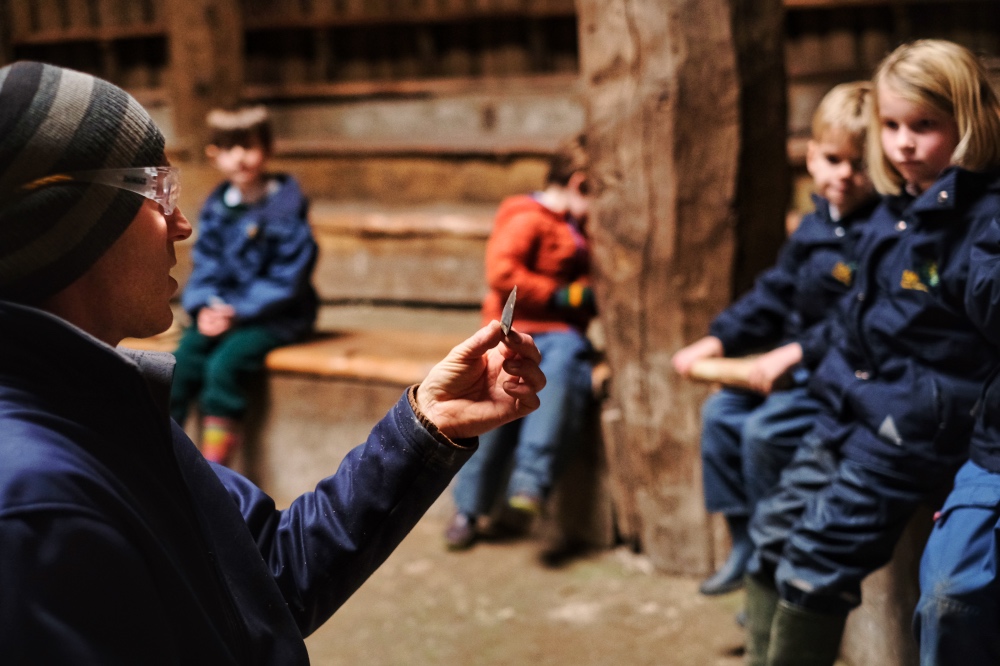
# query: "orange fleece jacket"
(539, 251)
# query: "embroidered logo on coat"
(925, 278)
(843, 273)
(889, 432)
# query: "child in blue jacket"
(251, 288)
(749, 436)
(958, 613)
(901, 368)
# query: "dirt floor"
(499, 603)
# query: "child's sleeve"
(509, 256)
(982, 297)
(202, 286)
(758, 318)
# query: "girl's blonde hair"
(945, 76)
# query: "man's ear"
(577, 183)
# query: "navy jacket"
(983, 299)
(812, 273)
(258, 259)
(120, 544)
(908, 356)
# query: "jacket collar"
(956, 188)
(57, 348)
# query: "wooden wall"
(459, 81)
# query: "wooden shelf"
(417, 146)
(567, 82)
(100, 34)
(839, 4)
(447, 15)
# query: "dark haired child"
(251, 288)
(537, 244)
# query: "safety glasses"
(161, 184)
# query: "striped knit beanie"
(55, 120)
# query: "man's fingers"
(523, 344)
(479, 342)
(528, 372)
(527, 397)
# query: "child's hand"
(215, 320)
(768, 368)
(708, 347)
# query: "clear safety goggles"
(160, 184)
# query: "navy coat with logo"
(812, 273)
(258, 259)
(120, 544)
(907, 357)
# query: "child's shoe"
(220, 437)
(461, 532)
(525, 503)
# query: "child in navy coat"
(251, 288)
(749, 436)
(904, 363)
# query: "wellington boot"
(762, 600)
(220, 438)
(729, 577)
(801, 637)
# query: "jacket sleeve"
(76, 592)
(819, 338)
(207, 258)
(286, 271)
(758, 318)
(982, 298)
(329, 541)
(510, 253)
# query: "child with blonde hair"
(958, 613)
(749, 436)
(902, 365)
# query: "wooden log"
(661, 82)
(206, 56)
(731, 373)
(664, 80)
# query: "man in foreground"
(119, 543)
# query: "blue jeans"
(830, 522)
(746, 440)
(538, 444)
(957, 621)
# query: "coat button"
(861, 296)
(942, 196)
(839, 232)
(861, 374)
(901, 225)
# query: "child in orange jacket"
(538, 244)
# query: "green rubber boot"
(761, 603)
(801, 637)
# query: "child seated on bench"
(251, 288)
(904, 363)
(749, 436)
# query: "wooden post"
(206, 65)
(663, 84)
(6, 33)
